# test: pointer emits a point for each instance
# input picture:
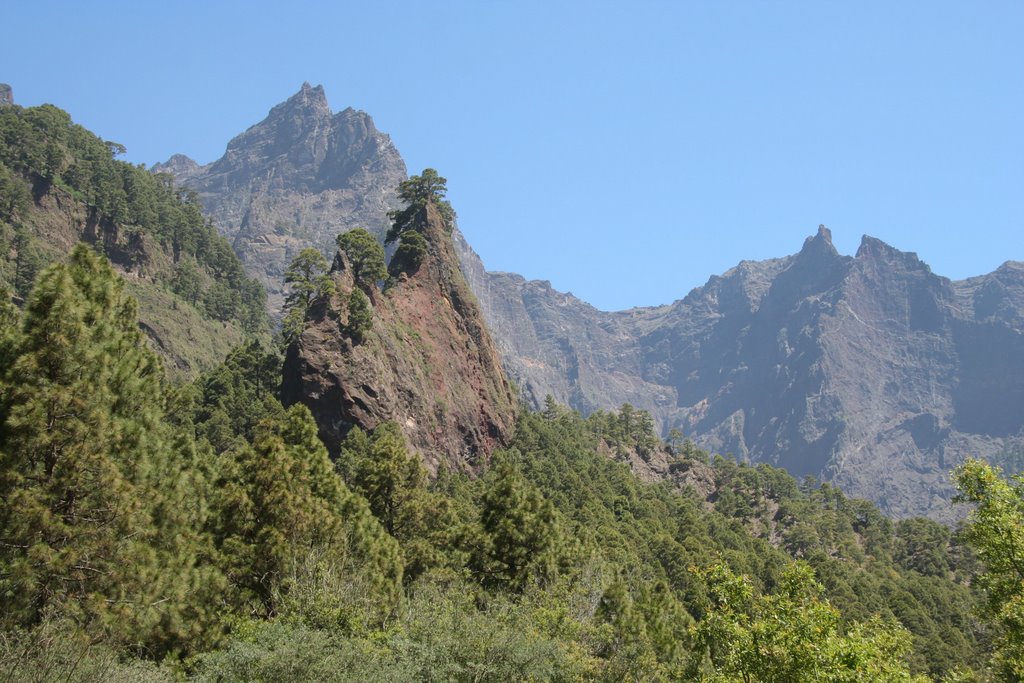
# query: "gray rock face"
(6, 94)
(868, 371)
(296, 179)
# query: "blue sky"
(624, 151)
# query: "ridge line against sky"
(625, 153)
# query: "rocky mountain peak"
(819, 245)
(310, 96)
(297, 179)
(180, 166)
(868, 371)
(6, 94)
(874, 251)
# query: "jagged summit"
(180, 166)
(6, 94)
(866, 370)
(296, 179)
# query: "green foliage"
(380, 468)
(237, 395)
(280, 499)
(308, 279)
(519, 530)
(60, 652)
(365, 255)
(659, 534)
(996, 531)
(417, 192)
(188, 339)
(360, 315)
(145, 521)
(439, 635)
(793, 635)
(27, 261)
(15, 195)
(629, 429)
(186, 282)
(42, 150)
(96, 522)
(412, 248)
(923, 546)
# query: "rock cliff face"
(427, 363)
(6, 94)
(296, 179)
(868, 371)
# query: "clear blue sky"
(624, 151)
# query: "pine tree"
(412, 247)
(309, 280)
(281, 503)
(519, 529)
(393, 481)
(365, 255)
(95, 525)
(360, 315)
(234, 397)
(418, 191)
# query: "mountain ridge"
(865, 370)
(732, 364)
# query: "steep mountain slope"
(61, 185)
(427, 362)
(296, 179)
(869, 371)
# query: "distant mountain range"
(868, 371)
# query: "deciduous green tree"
(793, 635)
(996, 530)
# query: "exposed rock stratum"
(427, 363)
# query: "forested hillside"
(158, 527)
(153, 530)
(60, 184)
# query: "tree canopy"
(308, 279)
(365, 256)
(418, 191)
(996, 531)
(134, 212)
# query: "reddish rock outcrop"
(427, 363)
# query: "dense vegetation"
(204, 523)
(156, 531)
(50, 166)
